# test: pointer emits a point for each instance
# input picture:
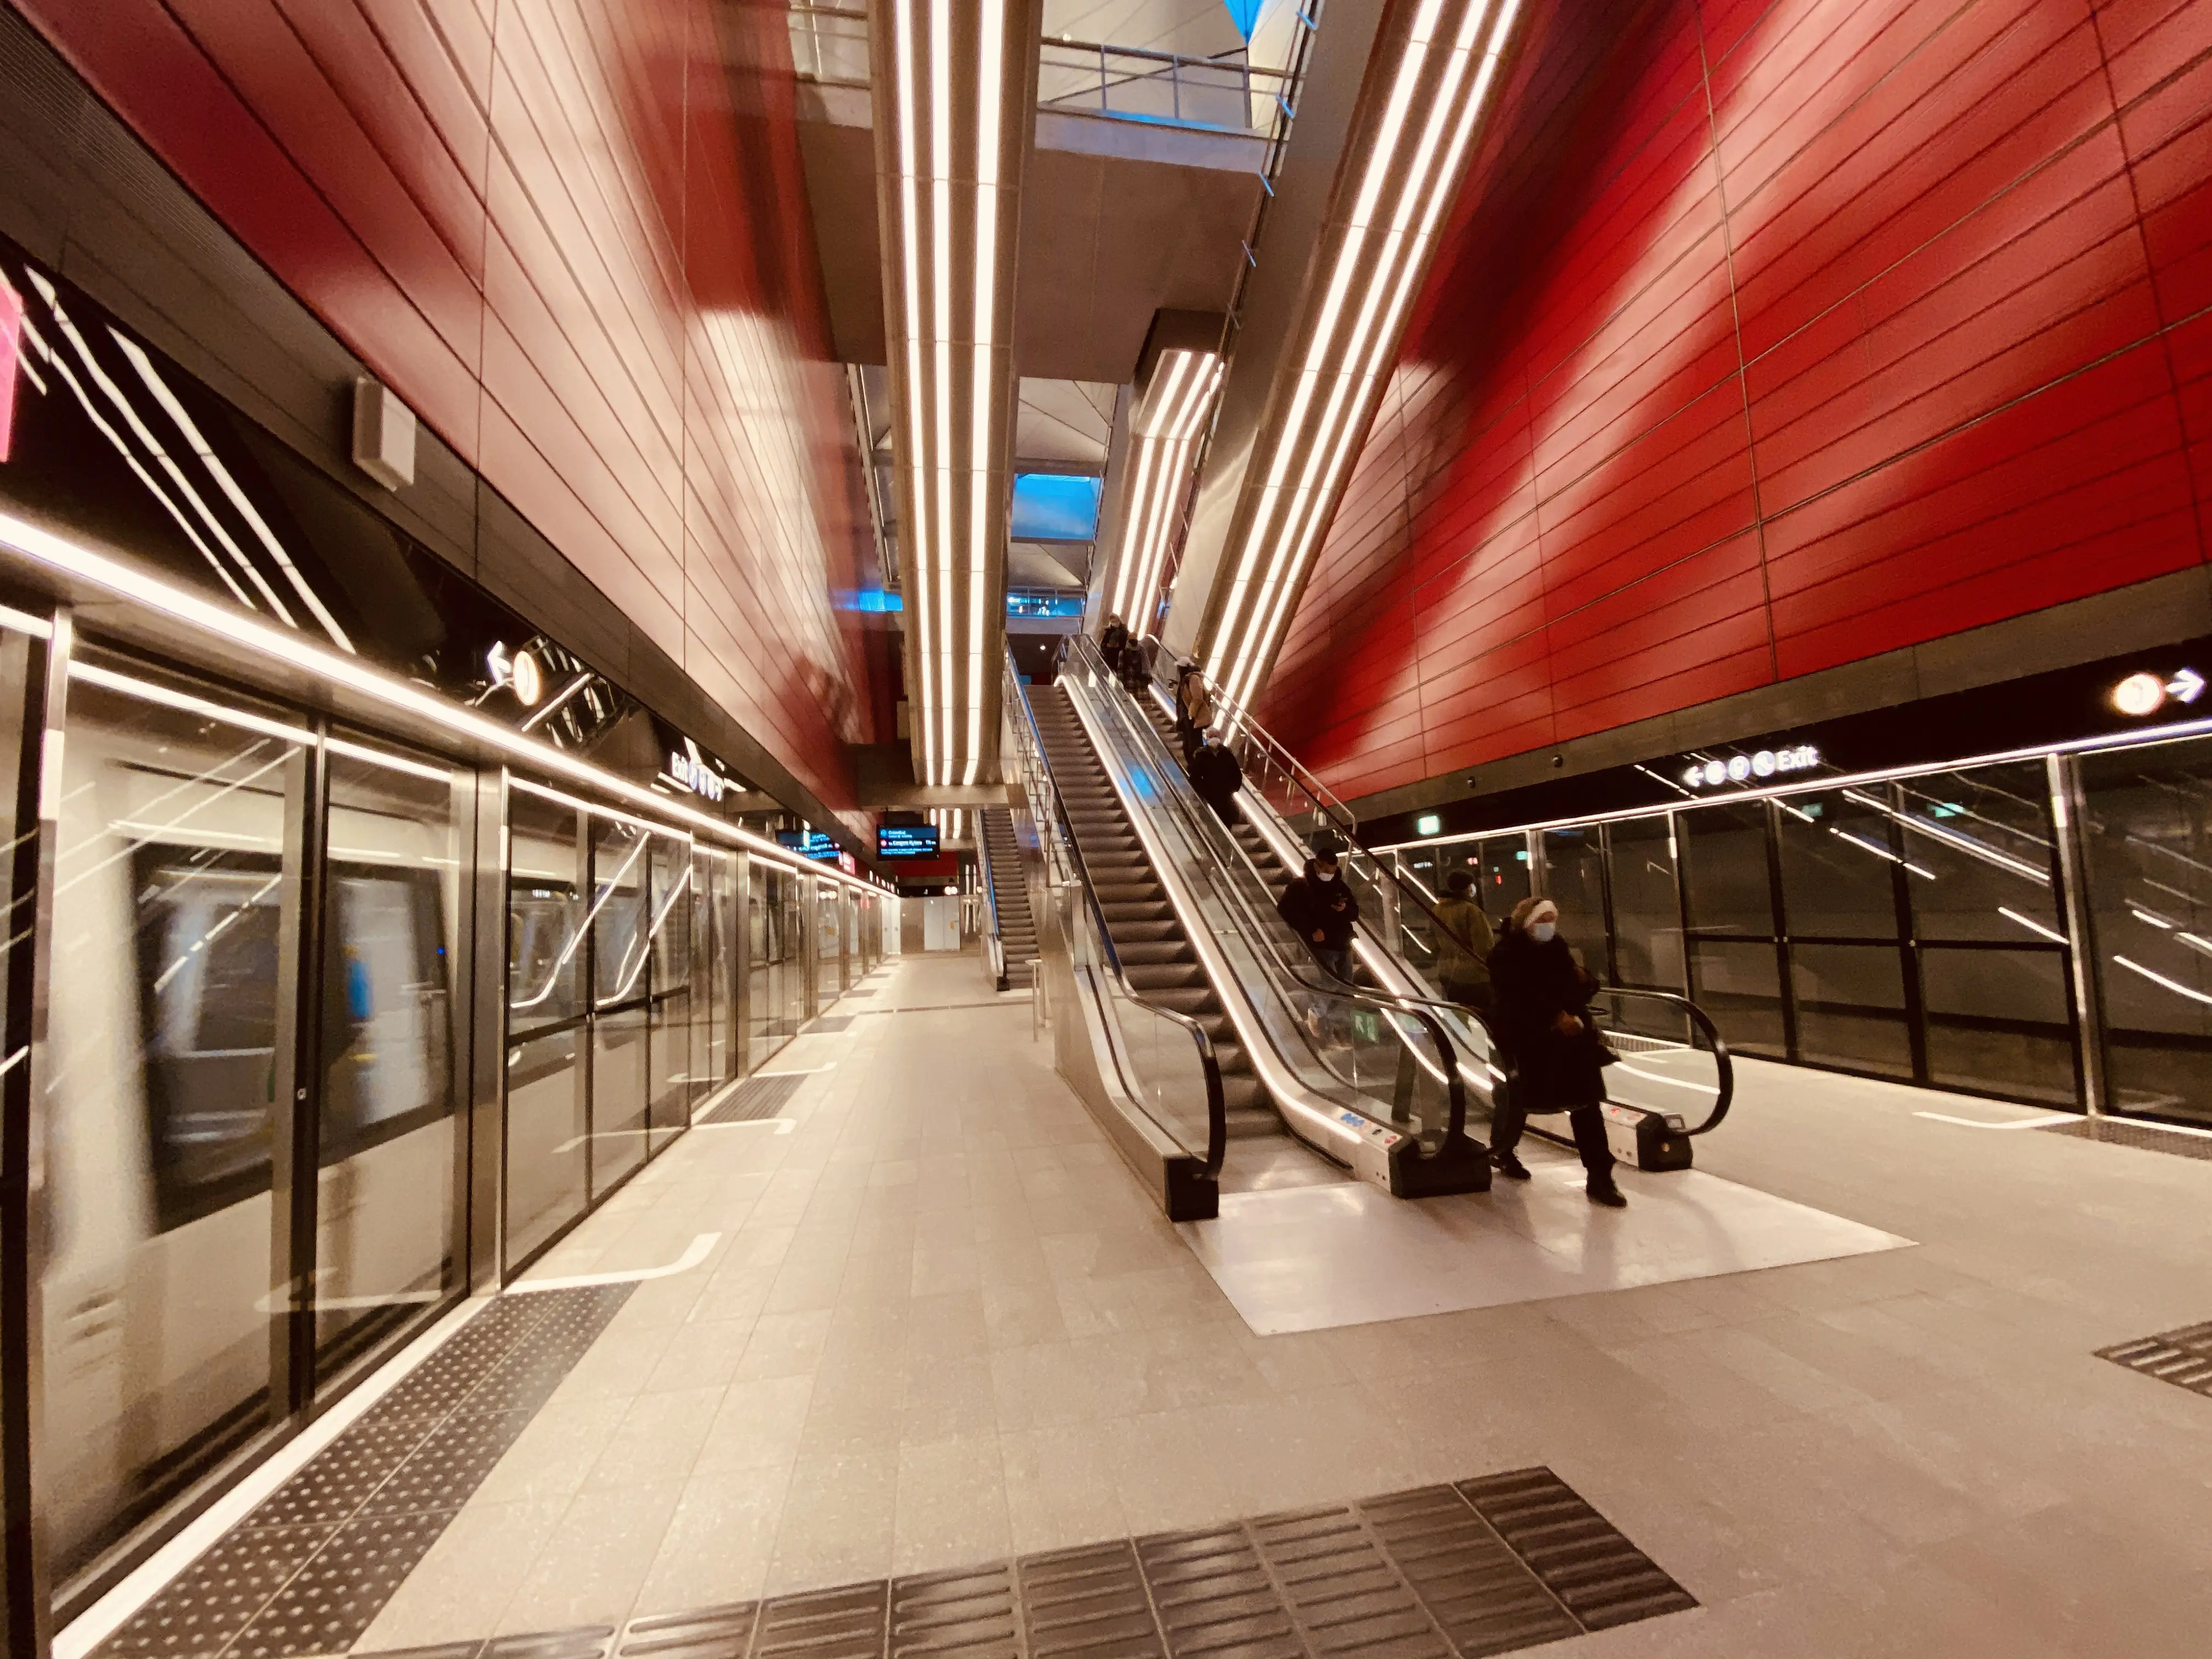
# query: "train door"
(673, 1066)
(829, 936)
(178, 892)
(763, 996)
(548, 1111)
(713, 973)
(621, 958)
(390, 1199)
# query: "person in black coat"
(1216, 776)
(1322, 909)
(1543, 1019)
(1112, 639)
(1136, 669)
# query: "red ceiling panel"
(1926, 240)
(574, 236)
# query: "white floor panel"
(1315, 1258)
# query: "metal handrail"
(1724, 1096)
(1216, 1101)
(1079, 56)
(994, 945)
(1256, 933)
(1322, 801)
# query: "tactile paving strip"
(758, 1096)
(1600, 1578)
(309, 1568)
(2143, 1137)
(1486, 1567)
(2182, 1358)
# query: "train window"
(544, 913)
(207, 969)
(388, 1214)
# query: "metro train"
(171, 903)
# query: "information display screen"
(813, 843)
(906, 841)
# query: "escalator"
(1155, 954)
(1013, 926)
(1674, 1079)
(1318, 1077)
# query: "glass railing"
(1672, 1060)
(1333, 1046)
(829, 43)
(1161, 1057)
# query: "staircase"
(1156, 954)
(1010, 893)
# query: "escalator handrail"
(1412, 889)
(1324, 799)
(1724, 1065)
(1455, 1085)
(993, 943)
(1216, 1099)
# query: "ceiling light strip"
(957, 163)
(920, 564)
(1329, 455)
(941, 462)
(1437, 193)
(290, 648)
(989, 70)
(1382, 263)
(1322, 336)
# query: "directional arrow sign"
(2185, 686)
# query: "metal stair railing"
(1638, 1014)
(1300, 985)
(1064, 869)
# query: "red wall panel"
(1768, 335)
(574, 235)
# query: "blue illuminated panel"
(906, 841)
(812, 842)
(1055, 507)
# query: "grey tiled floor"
(942, 1325)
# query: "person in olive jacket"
(1463, 945)
(1322, 911)
(1543, 1018)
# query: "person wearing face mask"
(1217, 777)
(1542, 996)
(1322, 909)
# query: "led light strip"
(951, 222)
(294, 650)
(1173, 440)
(921, 530)
(1419, 151)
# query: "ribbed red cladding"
(1768, 337)
(579, 249)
